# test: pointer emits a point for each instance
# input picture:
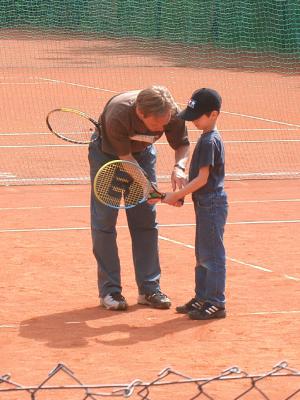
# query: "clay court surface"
(50, 309)
(49, 302)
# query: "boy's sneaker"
(155, 300)
(193, 304)
(208, 311)
(114, 301)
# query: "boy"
(206, 183)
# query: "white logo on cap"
(192, 103)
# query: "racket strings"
(72, 126)
(121, 185)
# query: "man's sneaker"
(193, 304)
(208, 311)
(155, 300)
(114, 301)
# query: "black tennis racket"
(73, 126)
(124, 184)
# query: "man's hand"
(153, 201)
(178, 178)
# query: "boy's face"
(205, 122)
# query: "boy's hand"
(171, 198)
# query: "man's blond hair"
(156, 101)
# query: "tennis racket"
(73, 126)
(124, 184)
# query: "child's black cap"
(202, 101)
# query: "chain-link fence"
(281, 382)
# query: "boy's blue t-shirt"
(209, 151)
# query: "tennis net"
(79, 53)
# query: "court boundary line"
(222, 111)
(238, 130)
(4, 181)
(158, 205)
(234, 260)
(189, 246)
(282, 312)
(159, 225)
(255, 141)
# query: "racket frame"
(79, 113)
(151, 192)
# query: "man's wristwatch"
(180, 167)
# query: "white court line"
(189, 246)
(113, 91)
(76, 84)
(291, 221)
(249, 265)
(82, 228)
(254, 266)
(21, 83)
(58, 180)
(71, 145)
(158, 205)
(272, 312)
(239, 130)
(161, 237)
(291, 277)
(252, 129)
(38, 146)
(264, 201)
(39, 207)
(7, 175)
(261, 119)
(25, 133)
(21, 146)
(262, 174)
(260, 141)
(9, 326)
(281, 312)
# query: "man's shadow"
(71, 329)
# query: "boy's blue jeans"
(142, 226)
(210, 272)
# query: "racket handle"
(155, 195)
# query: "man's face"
(155, 123)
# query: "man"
(130, 123)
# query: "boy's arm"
(191, 187)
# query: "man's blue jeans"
(142, 226)
(210, 272)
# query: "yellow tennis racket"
(124, 184)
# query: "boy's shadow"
(70, 329)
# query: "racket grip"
(155, 195)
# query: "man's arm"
(179, 176)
